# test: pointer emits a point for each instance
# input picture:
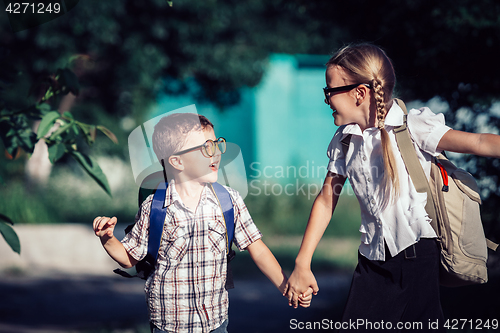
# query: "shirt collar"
(394, 118)
(172, 196)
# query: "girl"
(397, 276)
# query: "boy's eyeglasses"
(209, 147)
(329, 91)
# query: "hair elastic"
(381, 123)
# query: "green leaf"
(10, 237)
(22, 138)
(6, 219)
(68, 115)
(46, 124)
(68, 80)
(93, 169)
(44, 108)
(93, 133)
(56, 151)
(12, 150)
(108, 133)
(89, 131)
(60, 130)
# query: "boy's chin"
(214, 177)
(210, 178)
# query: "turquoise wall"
(282, 126)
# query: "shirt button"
(364, 158)
(369, 180)
(372, 201)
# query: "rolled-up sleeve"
(136, 241)
(427, 128)
(246, 232)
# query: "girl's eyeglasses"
(209, 147)
(329, 91)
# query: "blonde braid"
(389, 161)
(380, 104)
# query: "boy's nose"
(218, 153)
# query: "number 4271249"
(474, 324)
(33, 8)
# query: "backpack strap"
(492, 245)
(415, 170)
(158, 213)
(157, 220)
(345, 144)
(417, 174)
(226, 204)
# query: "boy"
(186, 292)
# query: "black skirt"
(400, 294)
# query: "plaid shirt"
(186, 292)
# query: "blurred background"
(256, 70)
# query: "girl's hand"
(299, 282)
(104, 226)
(306, 298)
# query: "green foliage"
(208, 48)
(93, 169)
(9, 234)
(16, 133)
(213, 48)
(16, 126)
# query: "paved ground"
(114, 304)
(63, 282)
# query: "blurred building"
(282, 126)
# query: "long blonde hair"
(367, 63)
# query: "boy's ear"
(176, 162)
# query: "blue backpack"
(147, 265)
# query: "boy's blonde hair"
(172, 131)
(367, 63)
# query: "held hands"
(305, 298)
(104, 227)
(300, 287)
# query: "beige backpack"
(453, 205)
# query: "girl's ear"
(362, 92)
(176, 162)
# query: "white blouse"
(401, 222)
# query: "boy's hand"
(306, 298)
(301, 279)
(104, 226)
